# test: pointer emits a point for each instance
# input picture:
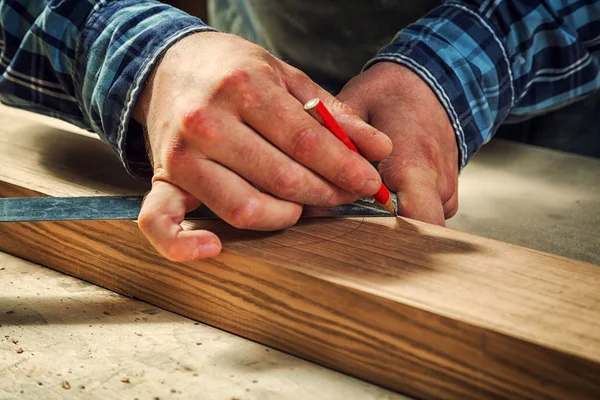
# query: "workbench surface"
(83, 341)
(108, 346)
(533, 197)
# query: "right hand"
(224, 117)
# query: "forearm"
(489, 61)
(85, 62)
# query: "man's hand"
(423, 166)
(225, 119)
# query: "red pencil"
(317, 109)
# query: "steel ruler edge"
(30, 209)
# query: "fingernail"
(369, 186)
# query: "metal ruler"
(26, 209)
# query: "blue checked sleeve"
(495, 61)
(85, 61)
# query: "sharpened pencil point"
(390, 206)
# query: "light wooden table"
(109, 346)
(533, 197)
(116, 347)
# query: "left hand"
(423, 166)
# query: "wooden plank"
(417, 308)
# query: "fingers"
(229, 196)
(419, 198)
(418, 195)
(160, 218)
(421, 204)
(371, 143)
(248, 154)
(282, 120)
(233, 199)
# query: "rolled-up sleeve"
(86, 61)
(495, 61)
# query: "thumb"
(418, 195)
(160, 218)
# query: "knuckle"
(341, 108)
(330, 198)
(298, 76)
(199, 123)
(345, 108)
(145, 220)
(287, 182)
(245, 215)
(236, 90)
(304, 144)
(266, 68)
(247, 101)
(349, 175)
(235, 79)
(324, 196)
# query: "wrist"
(165, 71)
(392, 79)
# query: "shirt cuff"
(121, 43)
(460, 56)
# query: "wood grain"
(420, 309)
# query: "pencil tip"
(392, 204)
(391, 207)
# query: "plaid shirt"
(488, 61)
